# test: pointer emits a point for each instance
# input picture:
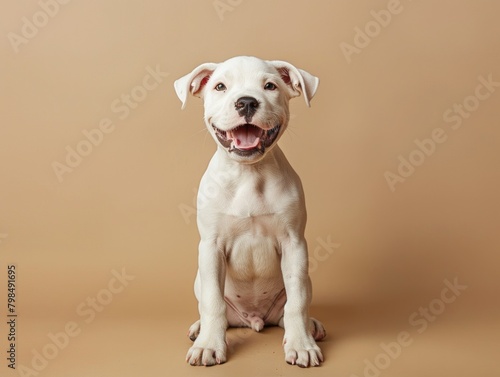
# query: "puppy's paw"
(302, 351)
(209, 351)
(194, 330)
(317, 329)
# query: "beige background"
(121, 206)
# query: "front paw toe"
(303, 354)
(205, 356)
(304, 358)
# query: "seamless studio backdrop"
(398, 155)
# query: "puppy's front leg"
(299, 344)
(209, 347)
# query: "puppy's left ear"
(194, 82)
(298, 80)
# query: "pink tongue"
(245, 137)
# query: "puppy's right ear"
(194, 82)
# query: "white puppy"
(253, 264)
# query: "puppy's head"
(246, 102)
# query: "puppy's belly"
(254, 290)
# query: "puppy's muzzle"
(247, 139)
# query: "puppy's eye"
(220, 87)
(270, 86)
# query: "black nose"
(246, 107)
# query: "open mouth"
(247, 139)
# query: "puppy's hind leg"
(194, 330)
(317, 329)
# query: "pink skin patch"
(239, 314)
